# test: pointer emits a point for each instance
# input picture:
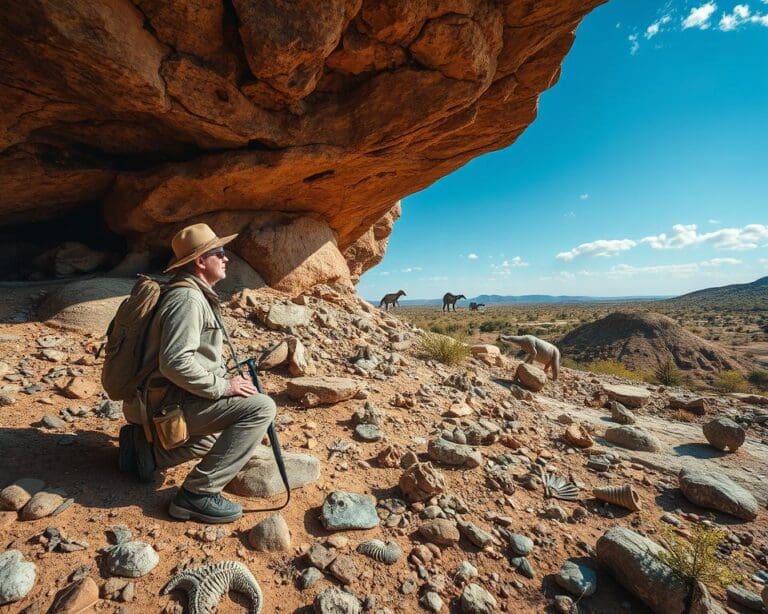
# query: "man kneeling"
(226, 418)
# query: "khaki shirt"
(186, 340)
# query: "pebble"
(345, 510)
(131, 559)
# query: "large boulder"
(531, 377)
(322, 111)
(633, 561)
(714, 490)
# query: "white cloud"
(438, 278)
(384, 273)
(699, 17)
(601, 247)
(715, 222)
(473, 256)
(656, 26)
(569, 214)
(584, 196)
(740, 15)
(633, 48)
(720, 261)
(748, 237)
(410, 269)
(515, 263)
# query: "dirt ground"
(81, 459)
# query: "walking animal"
(391, 299)
(537, 350)
(449, 300)
(476, 306)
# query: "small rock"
(320, 556)
(18, 494)
(476, 600)
(345, 510)
(270, 535)
(369, 432)
(17, 576)
(131, 559)
(724, 433)
(78, 597)
(335, 601)
(577, 579)
(577, 435)
(287, 317)
(79, 388)
(327, 390)
(440, 531)
(431, 601)
(744, 597)
(308, 577)
(520, 545)
(449, 453)
(53, 422)
(275, 356)
(620, 414)
(42, 504)
(632, 438)
(343, 568)
(630, 396)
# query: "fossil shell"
(559, 488)
(388, 553)
(625, 496)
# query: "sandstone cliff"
(296, 122)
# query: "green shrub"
(759, 379)
(488, 326)
(614, 367)
(695, 560)
(444, 349)
(730, 381)
(668, 374)
(436, 328)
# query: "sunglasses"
(216, 252)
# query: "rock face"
(232, 112)
(17, 576)
(714, 490)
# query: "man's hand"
(242, 387)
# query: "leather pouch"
(171, 427)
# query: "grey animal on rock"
(206, 585)
(537, 350)
(391, 299)
(449, 300)
(475, 306)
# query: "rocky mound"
(299, 124)
(644, 340)
(752, 296)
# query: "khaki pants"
(223, 434)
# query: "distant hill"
(752, 296)
(643, 341)
(530, 299)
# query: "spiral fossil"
(388, 553)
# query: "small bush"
(759, 379)
(488, 326)
(730, 381)
(614, 367)
(436, 328)
(695, 560)
(444, 349)
(668, 374)
(570, 363)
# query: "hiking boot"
(213, 509)
(135, 455)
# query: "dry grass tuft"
(443, 348)
(696, 560)
(614, 367)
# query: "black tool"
(272, 433)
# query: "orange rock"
(78, 388)
(81, 596)
(577, 435)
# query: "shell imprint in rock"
(559, 488)
(388, 553)
(206, 585)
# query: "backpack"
(122, 373)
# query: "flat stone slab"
(327, 389)
(681, 444)
(713, 490)
(347, 510)
(287, 316)
(261, 478)
(630, 396)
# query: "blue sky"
(646, 171)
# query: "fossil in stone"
(206, 585)
(388, 553)
(559, 488)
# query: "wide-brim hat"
(194, 241)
